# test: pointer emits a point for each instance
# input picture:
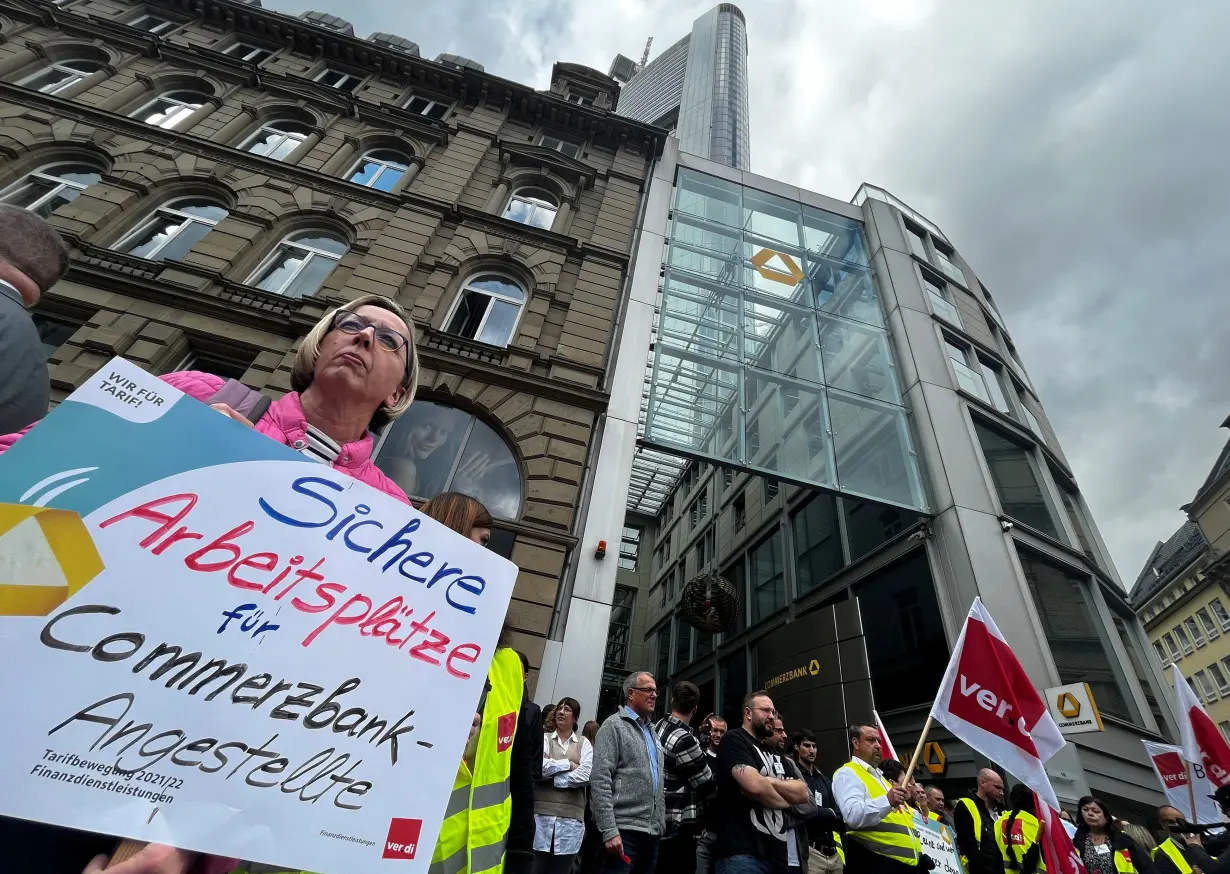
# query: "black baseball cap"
(1222, 796)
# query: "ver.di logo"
(403, 839)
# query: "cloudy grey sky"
(1073, 150)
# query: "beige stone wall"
(417, 245)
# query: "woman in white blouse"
(559, 800)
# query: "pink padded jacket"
(285, 422)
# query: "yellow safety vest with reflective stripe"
(1026, 829)
(1175, 855)
(894, 836)
(479, 811)
(977, 818)
(1123, 862)
(933, 816)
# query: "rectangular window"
(738, 512)
(1225, 730)
(1162, 658)
(943, 260)
(1219, 611)
(817, 542)
(1184, 642)
(700, 555)
(993, 377)
(967, 377)
(1219, 679)
(1138, 661)
(694, 514)
(564, 147)
(1175, 654)
(702, 504)
(620, 631)
(1016, 483)
(728, 477)
(683, 644)
(53, 333)
(427, 108)
(1075, 634)
(1204, 686)
(768, 576)
(664, 654)
(940, 304)
(151, 23)
(339, 80)
(771, 490)
(917, 241)
(629, 546)
(1194, 630)
(246, 52)
(735, 573)
(1206, 621)
(1076, 515)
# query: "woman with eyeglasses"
(355, 372)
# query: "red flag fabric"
(1057, 849)
(988, 701)
(1202, 742)
(886, 746)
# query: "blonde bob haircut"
(309, 350)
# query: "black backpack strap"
(248, 402)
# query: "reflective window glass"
(173, 230)
(993, 379)
(300, 264)
(774, 218)
(869, 525)
(436, 448)
(940, 304)
(832, 236)
(277, 139)
(60, 76)
(429, 108)
(817, 542)
(872, 446)
(171, 109)
(532, 206)
(857, 359)
(380, 169)
(48, 188)
(768, 577)
(918, 242)
(1016, 482)
(487, 310)
(53, 332)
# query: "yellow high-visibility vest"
(1123, 863)
(976, 816)
(479, 811)
(894, 836)
(933, 816)
(1025, 832)
(1175, 855)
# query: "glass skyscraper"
(697, 89)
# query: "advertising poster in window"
(227, 647)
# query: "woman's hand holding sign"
(152, 859)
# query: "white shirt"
(857, 807)
(561, 835)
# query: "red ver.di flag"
(886, 745)
(1202, 743)
(988, 701)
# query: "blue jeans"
(748, 864)
(642, 852)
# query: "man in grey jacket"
(626, 791)
(32, 259)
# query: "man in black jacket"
(974, 822)
(525, 772)
(823, 831)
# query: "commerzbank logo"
(1068, 705)
(811, 669)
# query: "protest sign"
(1171, 772)
(939, 843)
(226, 646)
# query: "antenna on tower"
(645, 54)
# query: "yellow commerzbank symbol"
(1068, 705)
(46, 556)
(784, 269)
(814, 667)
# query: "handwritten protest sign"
(939, 843)
(225, 646)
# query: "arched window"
(532, 206)
(49, 188)
(277, 139)
(174, 229)
(436, 448)
(487, 310)
(57, 76)
(380, 169)
(300, 264)
(170, 110)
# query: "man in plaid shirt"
(688, 781)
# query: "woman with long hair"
(1103, 847)
(1018, 832)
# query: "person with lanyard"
(974, 822)
(827, 854)
(753, 796)
(1178, 851)
(880, 836)
(1018, 833)
(1103, 848)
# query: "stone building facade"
(225, 174)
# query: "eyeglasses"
(648, 690)
(386, 338)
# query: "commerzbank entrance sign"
(772, 353)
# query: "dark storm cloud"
(1073, 151)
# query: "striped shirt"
(687, 771)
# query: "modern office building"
(225, 174)
(1182, 594)
(697, 89)
(842, 428)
